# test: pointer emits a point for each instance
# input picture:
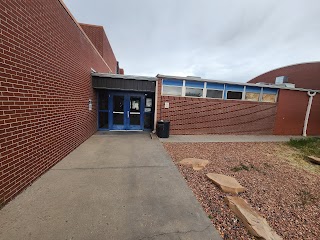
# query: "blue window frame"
(134, 114)
(103, 110)
(253, 89)
(215, 86)
(215, 90)
(235, 88)
(173, 82)
(233, 92)
(270, 90)
(269, 95)
(194, 88)
(172, 87)
(253, 93)
(194, 84)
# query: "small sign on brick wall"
(166, 105)
(90, 105)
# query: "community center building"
(60, 82)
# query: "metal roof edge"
(121, 76)
(235, 83)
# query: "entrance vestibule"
(118, 110)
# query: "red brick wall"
(45, 85)
(306, 75)
(208, 116)
(98, 37)
(292, 106)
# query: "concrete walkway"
(227, 138)
(114, 186)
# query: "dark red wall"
(292, 106)
(45, 85)
(208, 116)
(305, 75)
(99, 38)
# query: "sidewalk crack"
(177, 232)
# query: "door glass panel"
(118, 110)
(134, 119)
(118, 119)
(147, 121)
(103, 120)
(148, 102)
(135, 105)
(103, 101)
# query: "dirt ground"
(281, 186)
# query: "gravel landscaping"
(280, 185)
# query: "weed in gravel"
(267, 165)
(247, 168)
(306, 197)
(240, 168)
(254, 168)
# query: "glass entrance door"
(134, 113)
(118, 112)
(127, 111)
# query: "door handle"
(128, 114)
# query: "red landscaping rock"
(197, 164)
(226, 183)
(255, 224)
(286, 195)
(314, 160)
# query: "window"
(103, 120)
(172, 87)
(234, 95)
(252, 93)
(148, 115)
(215, 90)
(214, 93)
(103, 102)
(194, 88)
(269, 95)
(234, 91)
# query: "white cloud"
(227, 40)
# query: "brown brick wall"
(99, 38)
(208, 116)
(292, 107)
(45, 85)
(305, 75)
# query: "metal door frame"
(126, 123)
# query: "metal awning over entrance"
(123, 82)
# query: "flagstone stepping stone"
(256, 224)
(226, 183)
(197, 164)
(314, 160)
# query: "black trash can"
(163, 128)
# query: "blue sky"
(222, 40)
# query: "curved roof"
(303, 75)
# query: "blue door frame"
(126, 111)
(126, 121)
